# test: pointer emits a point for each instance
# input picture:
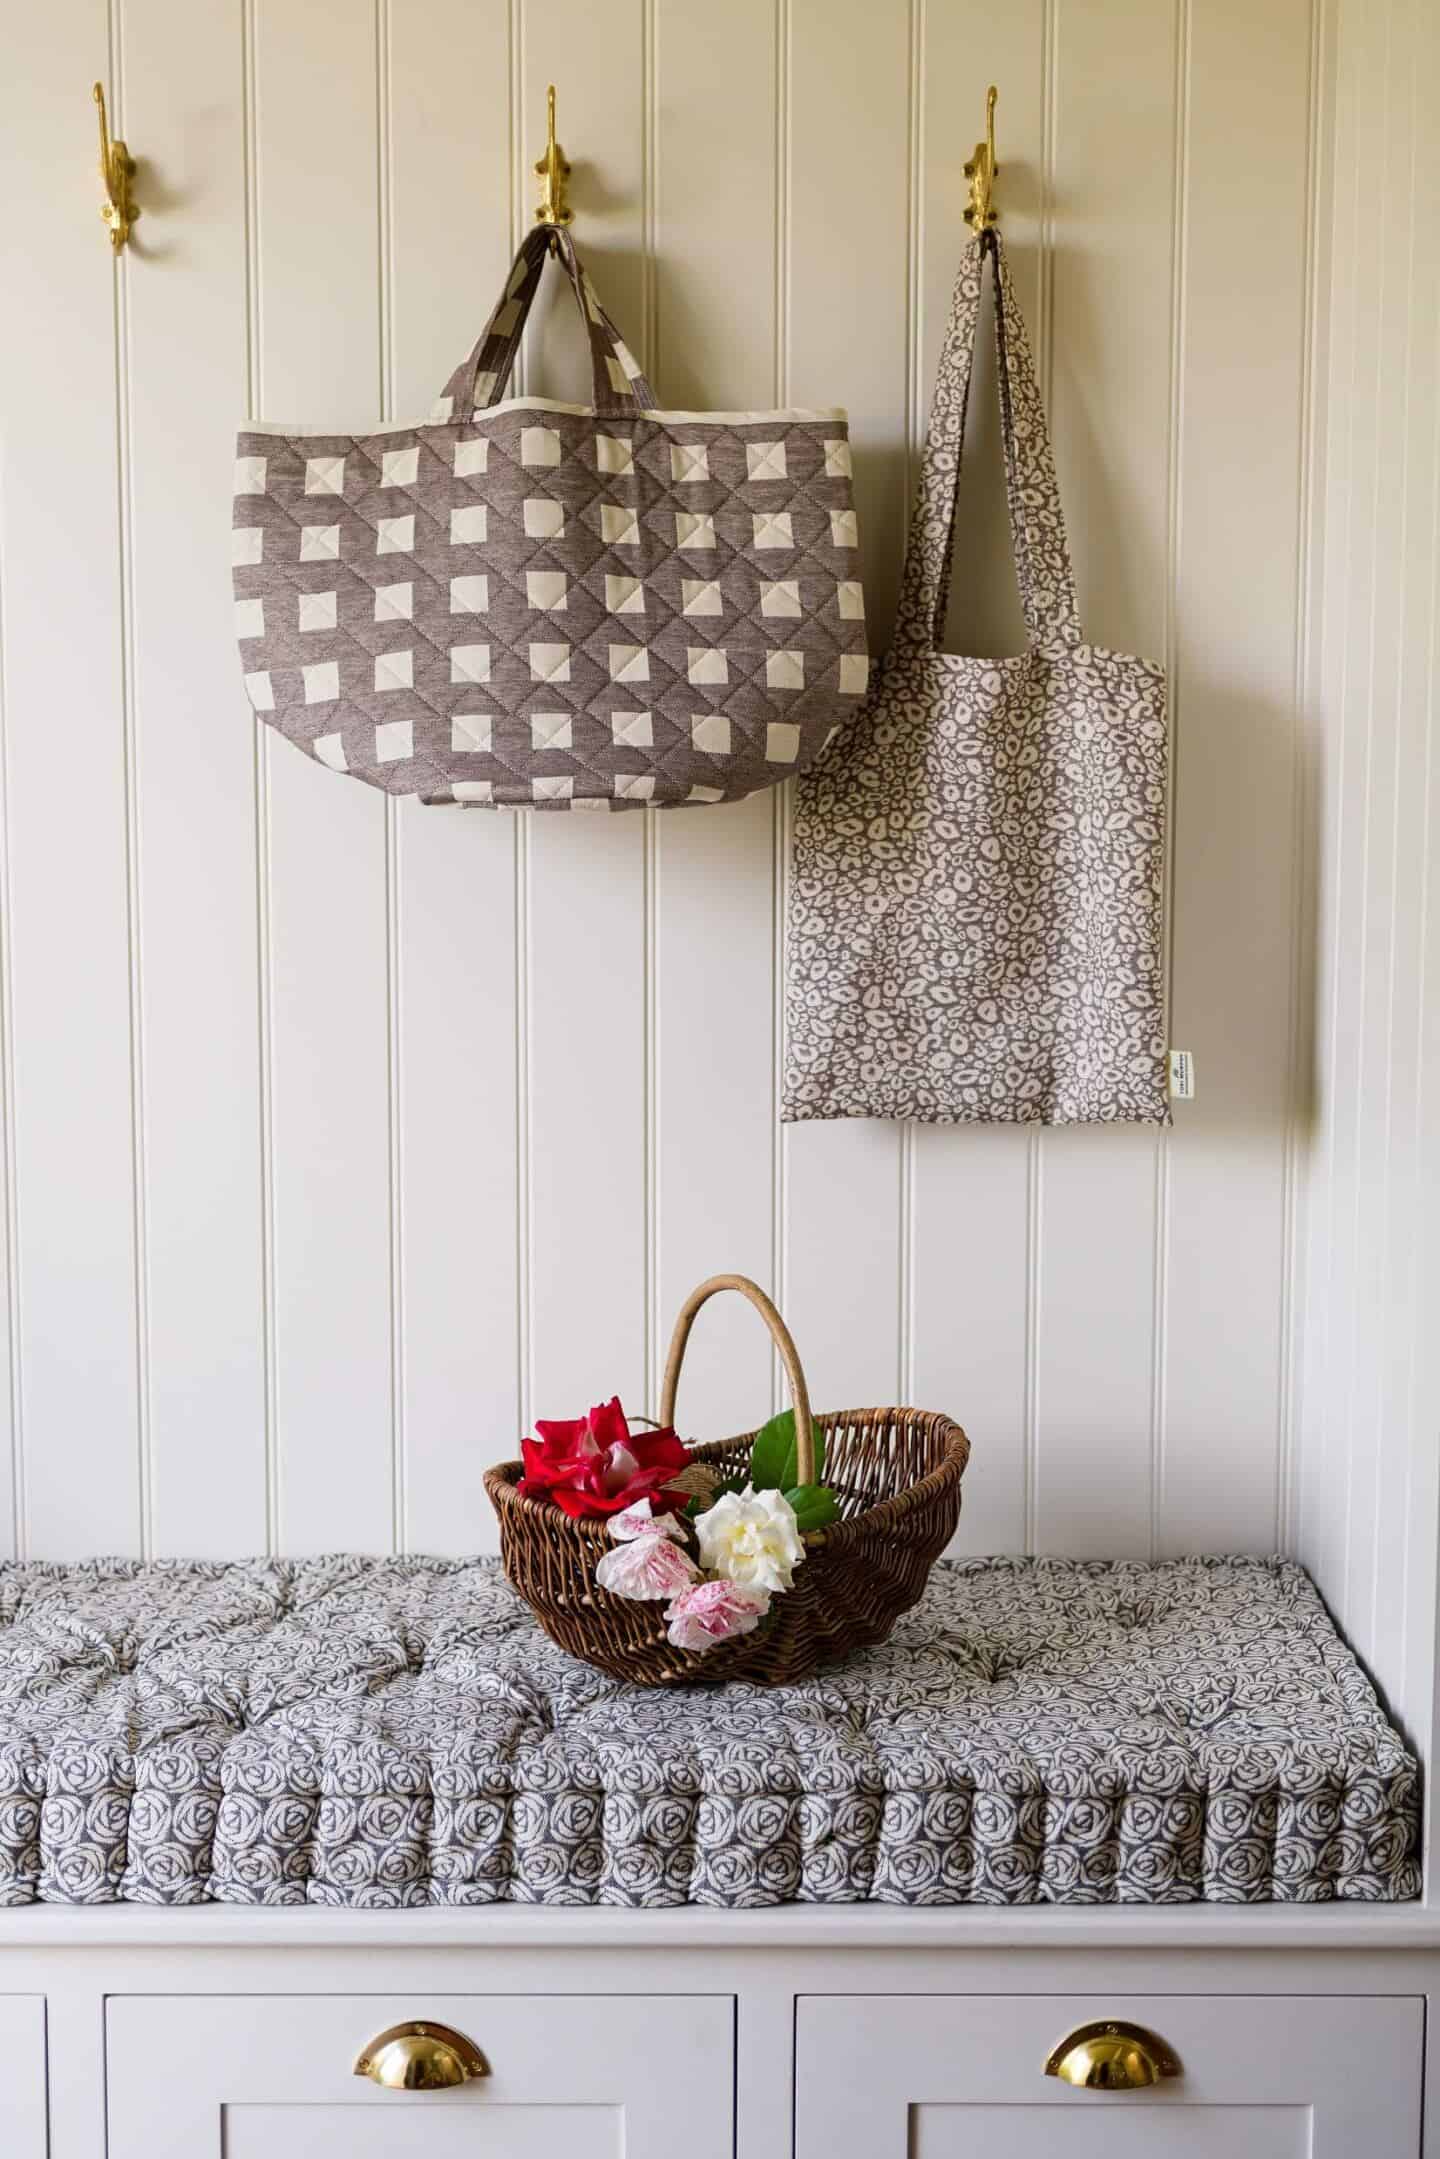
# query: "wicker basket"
(895, 1472)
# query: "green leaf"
(774, 1463)
(814, 1505)
(773, 1449)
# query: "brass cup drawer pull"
(421, 2058)
(1111, 2057)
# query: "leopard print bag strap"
(1037, 524)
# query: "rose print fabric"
(398, 1732)
(975, 906)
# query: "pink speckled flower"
(711, 1612)
(646, 1567)
(640, 1521)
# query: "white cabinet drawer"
(570, 2077)
(962, 2077)
(22, 2087)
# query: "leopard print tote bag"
(974, 917)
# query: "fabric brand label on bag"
(1182, 1076)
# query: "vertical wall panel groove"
(1159, 1398)
(1420, 1663)
(847, 330)
(1374, 1529)
(524, 1253)
(68, 875)
(1034, 1141)
(1321, 1546)
(1368, 1047)
(260, 790)
(971, 1191)
(713, 959)
(16, 1544)
(1350, 1093)
(1159, 1318)
(1395, 1467)
(1030, 1397)
(588, 1131)
(394, 986)
(1237, 745)
(395, 1165)
(194, 759)
(784, 795)
(328, 901)
(649, 349)
(1366, 1401)
(914, 286)
(1308, 507)
(1108, 283)
(134, 927)
(457, 1012)
(1401, 1474)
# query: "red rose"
(597, 1465)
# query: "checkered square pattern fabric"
(521, 603)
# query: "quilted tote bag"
(560, 606)
(974, 916)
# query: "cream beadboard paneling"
(345, 1137)
(589, 954)
(1108, 321)
(327, 862)
(76, 1173)
(1239, 514)
(714, 971)
(848, 291)
(201, 1194)
(972, 1322)
(456, 1303)
(1368, 1142)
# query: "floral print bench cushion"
(359, 1731)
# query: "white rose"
(751, 1538)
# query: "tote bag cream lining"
(974, 927)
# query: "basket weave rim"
(502, 1477)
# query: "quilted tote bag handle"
(1037, 525)
(481, 378)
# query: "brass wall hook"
(554, 170)
(981, 171)
(116, 170)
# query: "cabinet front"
(385, 2077)
(1080, 2077)
(22, 2087)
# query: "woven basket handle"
(779, 1335)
